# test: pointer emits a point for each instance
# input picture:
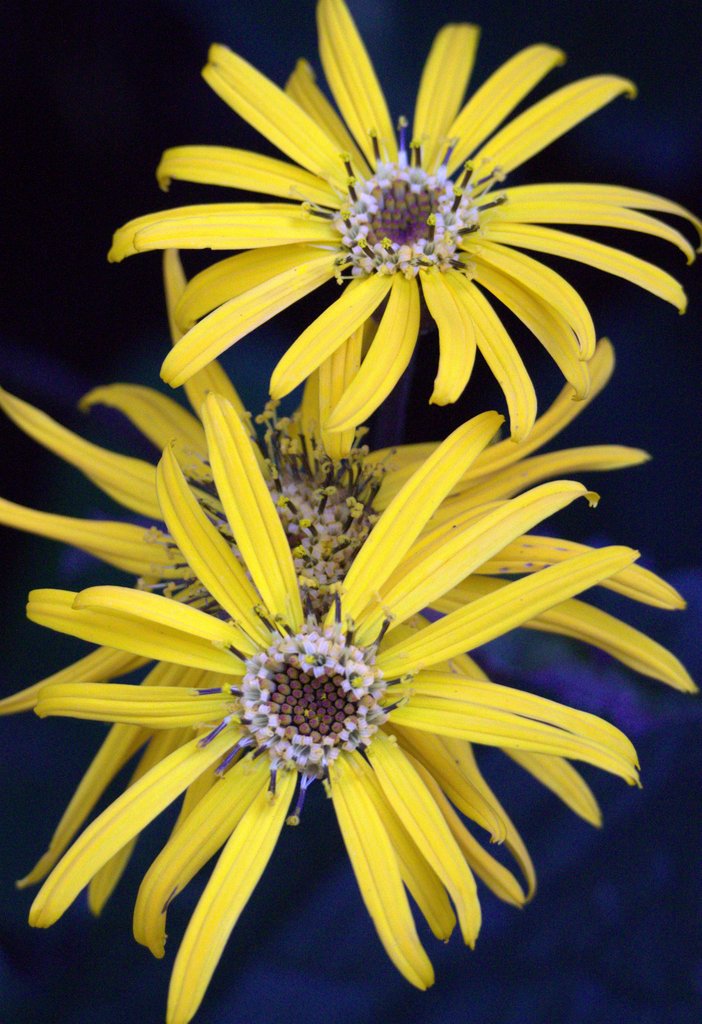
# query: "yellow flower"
(422, 213)
(279, 609)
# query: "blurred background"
(94, 93)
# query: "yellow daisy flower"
(279, 607)
(417, 217)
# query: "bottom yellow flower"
(281, 608)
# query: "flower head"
(399, 217)
(280, 610)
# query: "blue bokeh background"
(95, 93)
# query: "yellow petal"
(352, 80)
(238, 168)
(498, 878)
(410, 509)
(267, 109)
(562, 779)
(130, 548)
(240, 315)
(495, 614)
(544, 283)
(545, 322)
(302, 88)
(413, 804)
(500, 354)
(498, 96)
(153, 707)
(203, 832)
(563, 204)
(594, 254)
(387, 359)
(358, 302)
(123, 819)
(221, 226)
(234, 878)
(377, 871)
(442, 87)
(532, 130)
(98, 666)
(207, 552)
(54, 609)
(158, 417)
(129, 481)
(332, 379)
(456, 337)
(250, 511)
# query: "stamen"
(376, 147)
(206, 740)
(305, 783)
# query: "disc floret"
(310, 696)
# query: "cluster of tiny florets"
(310, 696)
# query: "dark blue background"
(93, 94)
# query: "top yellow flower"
(391, 213)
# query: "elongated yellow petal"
(238, 168)
(513, 479)
(100, 665)
(501, 729)
(562, 779)
(357, 303)
(352, 80)
(158, 610)
(500, 354)
(543, 282)
(377, 871)
(546, 323)
(221, 226)
(410, 509)
(595, 254)
(332, 379)
(545, 121)
(122, 820)
(498, 96)
(544, 204)
(618, 195)
(484, 696)
(498, 878)
(531, 553)
(423, 883)
(207, 827)
(250, 511)
(301, 87)
(121, 743)
(495, 614)
(277, 117)
(387, 359)
(440, 559)
(456, 337)
(207, 552)
(442, 87)
(54, 609)
(158, 417)
(234, 878)
(128, 547)
(103, 882)
(418, 812)
(449, 772)
(129, 481)
(240, 315)
(153, 707)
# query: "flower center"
(310, 696)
